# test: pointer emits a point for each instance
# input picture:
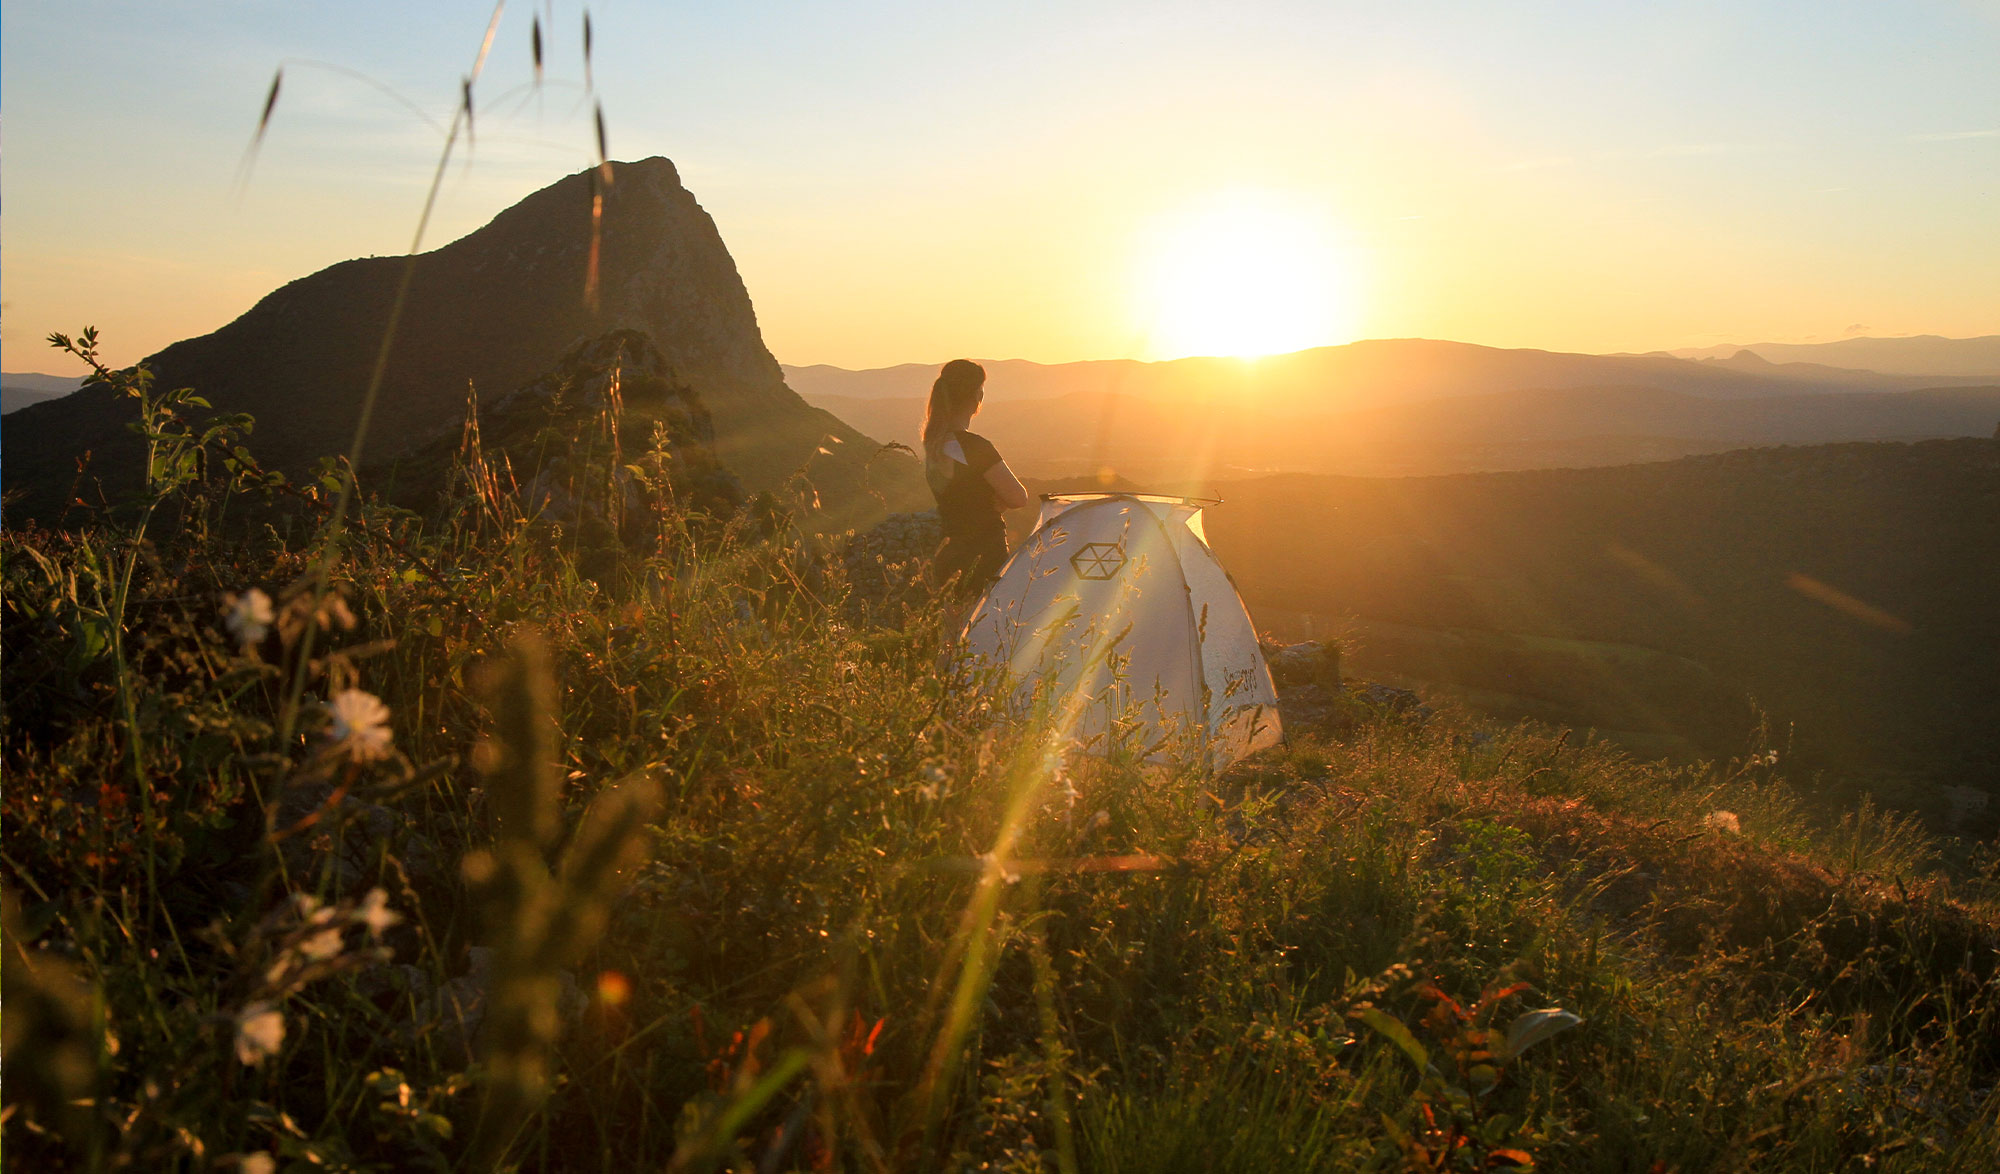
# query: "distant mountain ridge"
(1167, 441)
(1402, 407)
(1923, 354)
(1371, 373)
(51, 384)
(18, 389)
(490, 312)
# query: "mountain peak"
(490, 311)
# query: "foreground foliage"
(378, 842)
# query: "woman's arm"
(1007, 487)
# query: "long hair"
(959, 388)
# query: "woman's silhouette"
(971, 483)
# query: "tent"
(1116, 615)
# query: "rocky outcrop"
(610, 431)
(888, 567)
(492, 312)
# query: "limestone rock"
(888, 567)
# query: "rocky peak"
(492, 312)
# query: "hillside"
(480, 860)
(1848, 589)
(493, 310)
(1166, 440)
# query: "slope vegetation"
(669, 865)
(1848, 589)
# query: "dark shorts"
(965, 565)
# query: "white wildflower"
(250, 616)
(260, 1029)
(257, 1163)
(1723, 821)
(321, 946)
(374, 912)
(360, 725)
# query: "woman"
(969, 480)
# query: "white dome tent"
(1115, 611)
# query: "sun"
(1245, 274)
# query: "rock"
(888, 568)
(1310, 662)
(494, 310)
(459, 1011)
(1400, 702)
(1341, 708)
(347, 837)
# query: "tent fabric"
(1116, 615)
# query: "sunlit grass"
(864, 927)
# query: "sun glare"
(1243, 274)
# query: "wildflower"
(1723, 821)
(321, 946)
(1066, 789)
(260, 1029)
(374, 912)
(249, 616)
(360, 725)
(257, 1163)
(996, 868)
(308, 609)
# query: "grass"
(344, 837)
(687, 870)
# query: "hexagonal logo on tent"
(1098, 560)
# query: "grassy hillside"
(1848, 589)
(388, 840)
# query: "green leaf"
(1532, 1027)
(1396, 1132)
(1391, 1027)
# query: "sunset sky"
(910, 182)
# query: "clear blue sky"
(906, 182)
